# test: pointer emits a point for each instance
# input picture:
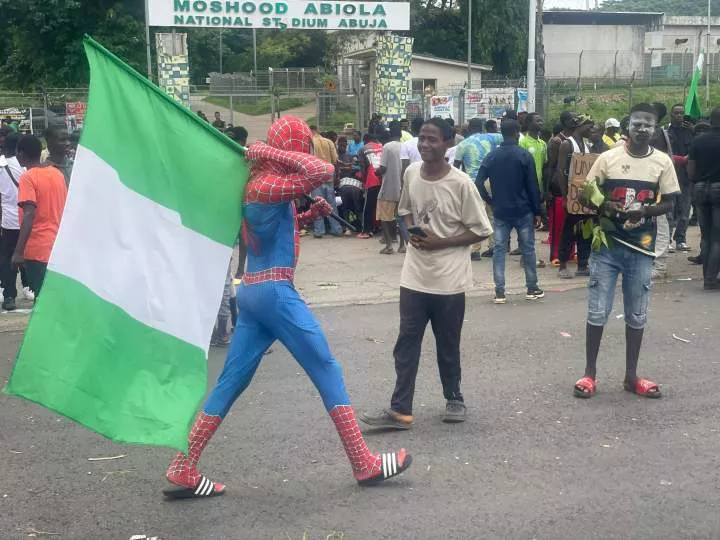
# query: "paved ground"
(348, 271)
(530, 462)
(257, 126)
(342, 271)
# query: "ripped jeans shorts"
(636, 270)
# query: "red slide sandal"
(644, 388)
(585, 388)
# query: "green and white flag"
(692, 102)
(119, 337)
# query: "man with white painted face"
(637, 183)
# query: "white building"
(427, 73)
(598, 44)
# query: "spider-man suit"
(270, 308)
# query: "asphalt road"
(531, 462)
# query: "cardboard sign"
(580, 166)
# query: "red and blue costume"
(271, 309)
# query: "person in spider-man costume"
(271, 309)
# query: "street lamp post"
(531, 56)
(469, 45)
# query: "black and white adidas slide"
(393, 463)
(205, 488)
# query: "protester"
(612, 133)
(271, 309)
(660, 140)
(238, 134)
(538, 149)
(10, 173)
(405, 126)
(598, 143)
(469, 156)
(410, 153)
(41, 197)
(515, 202)
(631, 179)
(58, 147)
(325, 150)
(390, 171)
(704, 172)
(441, 201)
(571, 233)
(218, 122)
(370, 158)
(554, 196)
(681, 137)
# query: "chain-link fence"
(35, 112)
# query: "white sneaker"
(28, 294)
(671, 249)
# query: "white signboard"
(287, 14)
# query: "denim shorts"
(636, 270)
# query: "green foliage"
(41, 40)
(499, 31)
(591, 229)
(676, 7)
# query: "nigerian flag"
(118, 339)
(692, 103)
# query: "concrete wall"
(694, 29)
(599, 43)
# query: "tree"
(42, 39)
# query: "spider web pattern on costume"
(183, 470)
(364, 464)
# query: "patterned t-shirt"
(634, 182)
(473, 150)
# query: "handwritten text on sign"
(580, 166)
(280, 14)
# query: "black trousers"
(446, 314)
(707, 203)
(571, 234)
(353, 202)
(8, 275)
(35, 271)
(371, 196)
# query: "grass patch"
(603, 102)
(256, 106)
(336, 122)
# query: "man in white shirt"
(409, 153)
(10, 172)
(445, 216)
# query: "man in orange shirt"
(41, 198)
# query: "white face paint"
(641, 128)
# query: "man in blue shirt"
(515, 202)
(353, 150)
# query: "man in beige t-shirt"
(445, 216)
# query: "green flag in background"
(118, 339)
(692, 103)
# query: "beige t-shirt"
(447, 207)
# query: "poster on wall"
(522, 100)
(75, 115)
(489, 102)
(392, 75)
(442, 106)
(173, 67)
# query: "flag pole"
(147, 39)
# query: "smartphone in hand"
(417, 231)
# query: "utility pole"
(147, 39)
(469, 45)
(531, 56)
(220, 50)
(255, 51)
(707, 62)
